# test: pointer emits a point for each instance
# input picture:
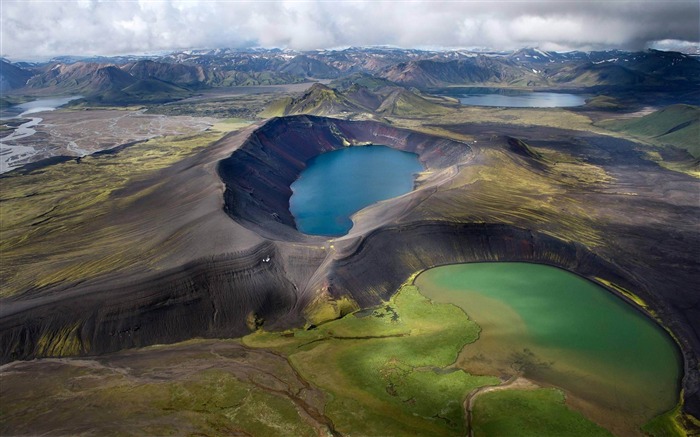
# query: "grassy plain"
(201, 388)
(530, 413)
(45, 215)
(513, 193)
(676, 125)
(387, 369)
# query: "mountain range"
(172, 76)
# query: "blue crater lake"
(337, 184)
(514, 98)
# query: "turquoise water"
(337, 184)
(515, 98)
(560, 329)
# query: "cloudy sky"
(44, 28)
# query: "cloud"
(44, 28)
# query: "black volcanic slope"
(587, 203)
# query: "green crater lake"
(559, 329)
(337, 184)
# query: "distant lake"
(337, 184)
(41, 105)
(513, 98)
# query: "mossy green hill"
(317, 100)
(676, 125)
(368, 95)
(406, 103)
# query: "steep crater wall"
(219, 297)
(424, 245)
(259, 174)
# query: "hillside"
(184, 75)
(405, 103)
(676, 125)
(590, 74)
(476, 70)
(317, 100)
(82, 78)
(385, 100)
(304, 66)
(151, 91)
(12, 77)
(364, 80)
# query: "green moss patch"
(387, 369)
(56, 206)
(525, 413)
(676, 125)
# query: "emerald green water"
(559, 329)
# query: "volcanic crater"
(258, 176)
(495, 199)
